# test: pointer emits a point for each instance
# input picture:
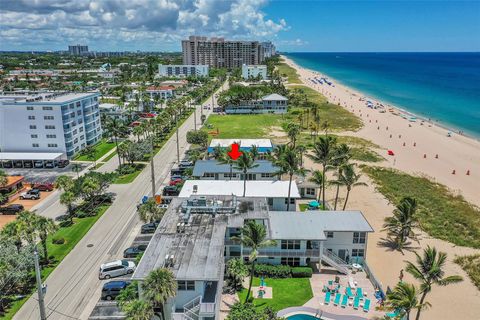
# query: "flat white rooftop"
(263, 189)
(43, 97)
(30, 156)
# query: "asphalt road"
(74, 287)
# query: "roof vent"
(195, 188)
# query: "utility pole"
(178, 148)
(194, 115)
(152, 169)
(41, 303)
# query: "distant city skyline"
(147, 25)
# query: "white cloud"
(118, 24)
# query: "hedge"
(302, 272)
(270, 271)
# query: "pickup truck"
(33, 194)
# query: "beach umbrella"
(314, 204)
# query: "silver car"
(116, 269)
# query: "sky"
(293, 25)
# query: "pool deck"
(288, 312)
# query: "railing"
(190, 309)
(285, 252)
(372, 277)
(335, 261)
(207, 308)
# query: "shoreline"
(438, 123)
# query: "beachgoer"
(401, 275)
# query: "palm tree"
(64, 183)
(254, 152)
(323, 153)
(245, 163)
(3, 178)
(224, 158)
(318, 179)
(116, 128)
(150, 211)
(138, 310)
(341, 158)
(67, 198)
(400, 226)
(253, 236)
(236, 273)
(293, 130)
(159, 286)
(27, 226)
(76, 167)
(348, 178)
(289, 163)
(45, 227)
(404, 298)
(12, 231)
(429, 271)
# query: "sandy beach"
(416, 147)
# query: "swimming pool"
(302, 317)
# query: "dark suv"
(12, 209)
(171, 191)
(149, 228)
(134, 251)
(112, 289)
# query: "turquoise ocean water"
(444, 87)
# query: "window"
(47, 108)
(35, 145)
(31, 117)
(186, 285)
(82, 137)
(29, 108)
(33, 127)
(292, 200)
(329, 234)
(79, 112)
(34, 136)
(209, 175)
(51, 136)
(227, 175)
(48, 117)
(49, 127)
(81, 129)
(310, 191)
(290, 244)
(358, 252)
(293, 262)
(266, 175)
(52, 145)
(359, 237)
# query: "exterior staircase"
(335, 261)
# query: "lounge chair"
(330, 282)
(366, 305)
(349, 292)
(336, 302)
(360, 293)
(327, 298)
(356, 303)
(393, 314)
(344, 301)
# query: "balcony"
(284, 252)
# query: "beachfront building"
(194, 239)
(272, 103)
(214, 170)
(221, 53)
(254, 72)
(162, 92)
(269, 49)
(114, 111)
(276, 192)
(49, 122)
(264, 146)
(182, 70)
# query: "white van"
(116, 268)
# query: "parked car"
(112, 289)
(134, 251)
(177, 171)
(185, 164)
(149, 228)
(163, 205)
(43, 186)
(170, 191)
(116, 268)
(175, 181)
(38, 164)
(49, 165)
(12, 209)
(32, 194)
(62, 163)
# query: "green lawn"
(244, 126)
(72, 235)
(471, 265)
(441, 214)
(288, 292)
(101, 149)
(289, 72)
(128, 178)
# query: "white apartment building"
(254, 71)
(182, 70)
(49, 122)
(269, 49)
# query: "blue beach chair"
(366, 306)
(349, 292)
(336, 302)
(356, 303)
(360, 293)
(344, 301)
(327, 298)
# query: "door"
(341, 254)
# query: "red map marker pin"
(235, 153)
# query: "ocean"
(444, 87)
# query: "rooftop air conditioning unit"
(195, 188)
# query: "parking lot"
(43, 175)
